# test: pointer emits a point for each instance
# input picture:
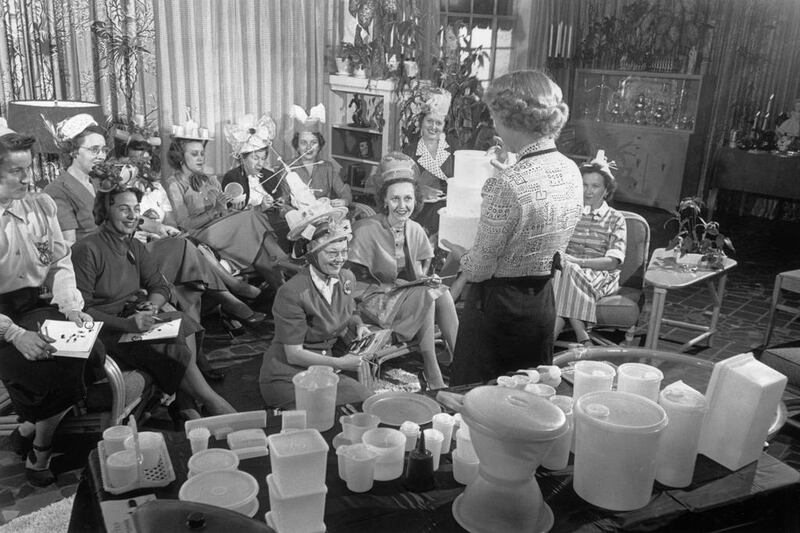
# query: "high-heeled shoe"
(20, 444)
(39, 477)
(255, 318)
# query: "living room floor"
(764, 248)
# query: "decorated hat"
(311, 121)
(305, 222)
(437, 101)
(116, 173)
(395, 166)
(137, 133)
(190, 130)
(69, 128)
(4, 129)
(250, 134)
(600, 164)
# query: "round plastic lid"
(213, 459)
(230, 489)
(640, 371)
(511, 414)
(622, 412)
(317, 376)
(595, 368)
(682, 398)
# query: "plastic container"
(341, 461)
(433, 443)
(122, 468)
(354, 426)
(592, 376)
(464, 444)
(299, 512)
(247, 438)
(557, 457)
(390, 445)
(315, 393)
(411, 431)
(465, 469)
(743, 395)
(293, 420)
(298, 460)
(641, 379)
(677, 453)
(211, 460)
(444, 423)
(230, 489)
(541, 389)
(616, 446)
(360, 461)
(198, 439)
(114, 438)
(150, 444)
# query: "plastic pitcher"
(315, 392)
(616, 447)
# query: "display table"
(664, 274)
(762, 490)
(759, 173)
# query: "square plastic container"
(298, 512)
(298, 461)
(247, 438)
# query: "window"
(489, 23)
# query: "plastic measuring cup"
(315, 392)
(390, 445)
(354, 426)
(616, 447)
(360, 461)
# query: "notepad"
(165, 330)
(70, 339)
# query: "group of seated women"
(125, 250)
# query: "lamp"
(25, 116)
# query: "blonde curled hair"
(528, 101)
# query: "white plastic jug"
(315, 393)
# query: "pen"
(159, 319)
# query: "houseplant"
(697, 236)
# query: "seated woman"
(42, 388)
(390, 250)
(263, 188)
(83, 145)
(201, 208)
(314, 313)
(113, 270)
(316, 173)
(433, 152)
(590, 268)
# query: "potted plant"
(697, 236)
(343, 53)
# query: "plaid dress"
(598, 234)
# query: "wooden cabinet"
(362, 127)
(651, 124)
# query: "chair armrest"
(117, 382)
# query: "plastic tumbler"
(360, 461)
(616, 446)
(342, 461)
(433, 443)
(411, 431)
(641, 379)
(198, 439)
(150, 444)
(114, 438)
(444, 423)
(122, 468)
(354, 426)
(677, 452)
(557, 457)
(592, 376)
(315, 392)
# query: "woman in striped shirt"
(591, 264)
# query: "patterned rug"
(54, 518)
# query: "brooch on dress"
(45, 253)
(347, 287)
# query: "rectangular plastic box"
(298, 461)
(303, 512)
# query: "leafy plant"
(696, 235)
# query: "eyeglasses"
(335, 254)
(95, 150)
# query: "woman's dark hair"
(380, 198)
(241, 157)
(104, 200)
(380, 195)
(70, 147)
(296, 139)
(15, 142)
(176, 150)
(609, 180)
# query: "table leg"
(717, 295)
(656, 314)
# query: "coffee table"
(664, 273)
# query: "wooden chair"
(785, 281)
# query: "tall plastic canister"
(315, 393)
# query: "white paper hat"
(250, 134)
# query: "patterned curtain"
(49, 51)
(220, 59)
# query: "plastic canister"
(557, 457)
(592, 376)
(616, 444)
(231, 489)
(641, 379)
(212, 459)
(315, 392)
(677, 453)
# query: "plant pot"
(343, 66)
(360, 72)
(411, 68)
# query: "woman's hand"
(362, 331)
(499, 154)
(34, 346)
(79, 317)
(349, 362)
(570, 258)
(141, 321)
(338, 202)
(169, 231)
(221, 202)
(267, 202)
(238, 206)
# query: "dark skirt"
(41, 389)
(428, 216)
(149, 357)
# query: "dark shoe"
(255, 318)
(21, 445)
(39, 478)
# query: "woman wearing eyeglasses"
(83, 145)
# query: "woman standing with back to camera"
(529, 212)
